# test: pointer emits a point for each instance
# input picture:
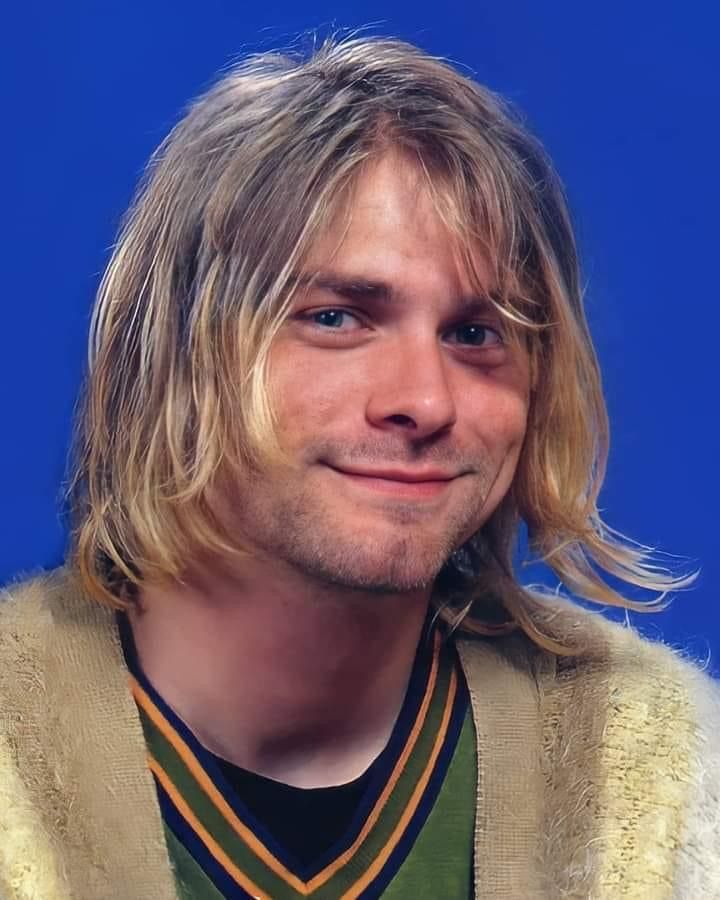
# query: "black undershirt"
(306, 822)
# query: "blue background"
(626, 99)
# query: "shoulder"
(25, 616)
(629, 668)
(27, 596)
(698, 870)
(36, 617)
(45, 622)
(27, 610)
(630, 752)
(655, 717)
(614, 674)
(28, 862)
(27, 633)
(638, 685)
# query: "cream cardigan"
(599, 775)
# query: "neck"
(288, 678)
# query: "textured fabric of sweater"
(598, 775)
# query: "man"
(338, 356)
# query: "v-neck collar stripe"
(380, 861)
(342, 860)
(245, 833)
(207, 839)
(189, 840)
(433, 787)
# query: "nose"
(411, 391)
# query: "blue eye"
(331, 318)
(476, 335)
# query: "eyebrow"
(375, 290)
(344, 284)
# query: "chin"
(394, 569)
(377, 583)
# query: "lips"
(403, 475)
(403, 484)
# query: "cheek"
(516, 422)
(502, 433)
(305, 395)
(501, 421)
(501, 407)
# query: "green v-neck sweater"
(598, 775)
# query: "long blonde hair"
(200, 280)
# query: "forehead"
(389, 220)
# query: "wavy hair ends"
(201, 277)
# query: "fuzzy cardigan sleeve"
(79, 818)
(631, 754)
(698, 865)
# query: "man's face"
(397, 399)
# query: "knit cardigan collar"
(597, 775)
